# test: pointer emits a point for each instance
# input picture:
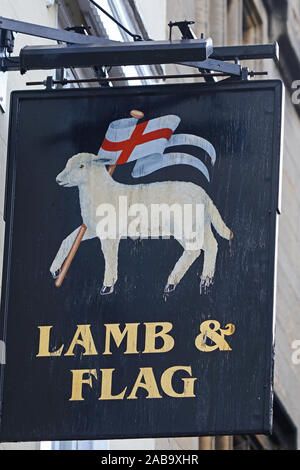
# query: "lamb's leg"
(110, 252)
(64, 250)
(181, 267)
(210, 248)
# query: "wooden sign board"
(153, 334)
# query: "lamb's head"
(78, 169)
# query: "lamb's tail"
(218, 222)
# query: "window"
(74, 445)
(118, 10)
(252, 24)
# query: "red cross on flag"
(127, 141)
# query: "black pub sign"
(138, 278)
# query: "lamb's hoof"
(55, 274)
(169, 288)
(205, 284)
(106, 290)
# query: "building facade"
(228, 22)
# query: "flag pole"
(67, 263)
(137, 115)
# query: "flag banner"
(127, 141)
(138, 279)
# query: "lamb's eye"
(81, 166)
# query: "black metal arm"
(61, 35)
(132, 53)
(83, 50)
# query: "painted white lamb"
(96, 187)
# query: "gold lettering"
(86, 341)
(106, 386)
(148, 384)
(152, 334)
(114, 330)
(166, 383)
(44, 343)
(212, 330)
(78, 381)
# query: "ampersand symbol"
(212, 329)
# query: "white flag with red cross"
(126, 141)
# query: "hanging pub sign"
(138, 278)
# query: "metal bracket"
(209, 65)
(79, 29)
(216, 66)
(49, 83)
(7, 41)
(61, 35)
(184, 26)
(127, 53)
(84, 50)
